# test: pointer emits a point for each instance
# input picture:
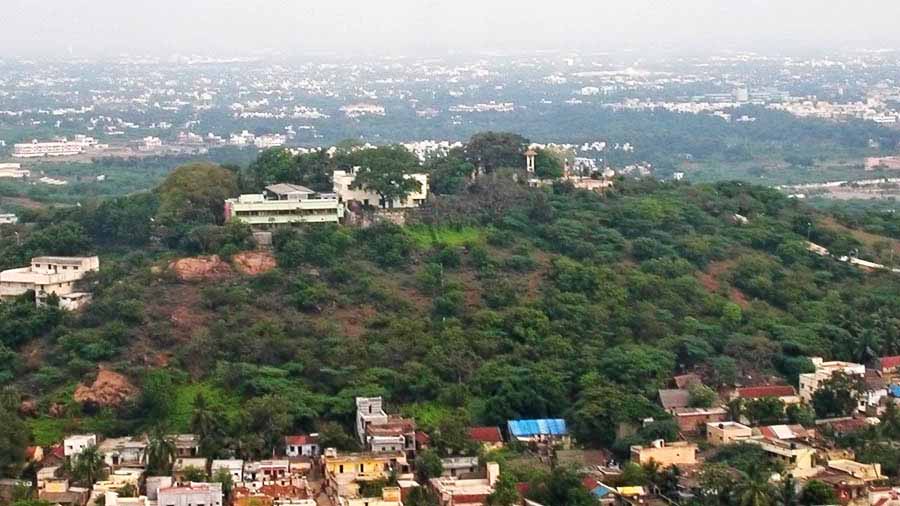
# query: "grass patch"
(427, 236)
(427, 415)
(216, 398)
(48, 431)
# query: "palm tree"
(205, 424)
(160, 452)
(87, 466)
(754, 488)
(787, 493)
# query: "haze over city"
(423, 27)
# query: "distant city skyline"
(432, 27)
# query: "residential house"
(57, 491)
(796, 458)
(343, 472)
(118, 479)
(183, 465)
(726, 433)
(665, 454)
(490, 438)
(469, 492)
(888, 368)
(8, 219)
(390, 496)
(282, 204)
(75, 444)
(124, 452)
(153, 484)
(302, 446)
(673, 398)
(693, 420)
(542, 431)
(793, 432)
(47, 276)
(111, 498)
(884, 496)
(786, 393)
(234, 467)
(382, 433)
(852, 480)
(194, 494)
(268, 471)
(186, 445)
(343, 187)
(459, 466)
(810, 382)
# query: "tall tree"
(195, 193)
(87, 466)
(160, 453)
(13, 440)
(387, 171)
(490, 151)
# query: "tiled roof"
(766, 391)
(300, 440)
(486, 434)
(889, 362)
(674, 398)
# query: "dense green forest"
(496, 301)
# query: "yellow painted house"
(343, 471)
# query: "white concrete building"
(195, 494)
(343, 182)
(14, 171)
(235, 468)
(809, 382)
(46, 276)
(369, 411)
(8, 219)
(74, 445)
(61, 147)
(283, 204)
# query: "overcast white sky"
(228, 27)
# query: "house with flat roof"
(75, 444)
(693, 420)
(726, 433)
(283, 204)
(810, 382)
(380, 432)
(665, 454)
(470, 492)
(344, 472)
(194, 494)
(47, 276)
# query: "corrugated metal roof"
(542, 427)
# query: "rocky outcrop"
(110, 389)
(200, 268)
(254, 262)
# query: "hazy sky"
(228, 27)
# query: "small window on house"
(362, 468)
(341, 468)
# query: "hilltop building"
(343, 188)
(282, 204)
(47, 276)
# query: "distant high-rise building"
(741, 94)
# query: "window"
(362, 468)
(341, 469)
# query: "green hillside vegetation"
(499, 302)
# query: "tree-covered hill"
(498, 301)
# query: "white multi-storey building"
(343, 187)
(810, 382)
(61, 147)
(74, 445)
(49, 275)
(284, 204)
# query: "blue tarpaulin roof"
(600, 491)
(895, 390)
(543, 427)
